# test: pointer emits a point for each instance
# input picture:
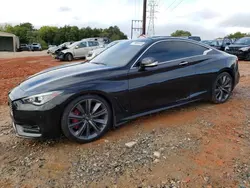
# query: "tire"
(69, 57)
(222, 88)
(80, 126)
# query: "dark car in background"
(240, 48)
(196, 38)
(24, 47)
(221, 44)
(129, 80)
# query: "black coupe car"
(128, 80)
(240, 48)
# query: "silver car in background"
(95, 52)
(78, 50)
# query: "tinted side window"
(91, 43)
(96, 44)
(82, 45)
(167, 51)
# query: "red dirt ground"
(222, 132)
(13, 71)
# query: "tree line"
(47, 35)
(236, 35)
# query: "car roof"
(158, 38)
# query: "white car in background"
(78, 50)
(95, 52)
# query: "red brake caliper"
(76, 112)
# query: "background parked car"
(208, 42)
(196, 38)
(51, 46)
(54, 51)
(36, 47)
(240, 48)
(101, 40)
(24, 47)
(78, 49)
(95, 52)
(220, 44)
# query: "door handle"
(183, 63)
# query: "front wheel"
(69, 57)
(222, 88)
(86, 119)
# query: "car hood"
(57, 77)
(66, 50)
(53, 48)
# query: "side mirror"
(148, 62)
(76, 47)
(228, 43)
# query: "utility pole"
(151, 25)
(144, 17)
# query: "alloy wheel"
(223, 88)
(87, 119)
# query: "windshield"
(245, 40)
(112, 44)
(72, 45)
(120, 54)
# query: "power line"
(170, 5)
(177, 5)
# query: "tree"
(237, 35)
(181, 33)
(57, 35)
(48, 33)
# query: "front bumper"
(33, 121)
(240, 54)
(36, 49)
(61, 56)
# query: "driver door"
(170, 82)
(80, 49)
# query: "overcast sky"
(206, 18)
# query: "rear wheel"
(69, 57)
(222, 88)
(86, 119)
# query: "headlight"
(41, 99)
(244, 48)
(226, 48)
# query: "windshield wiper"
(98, 63)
